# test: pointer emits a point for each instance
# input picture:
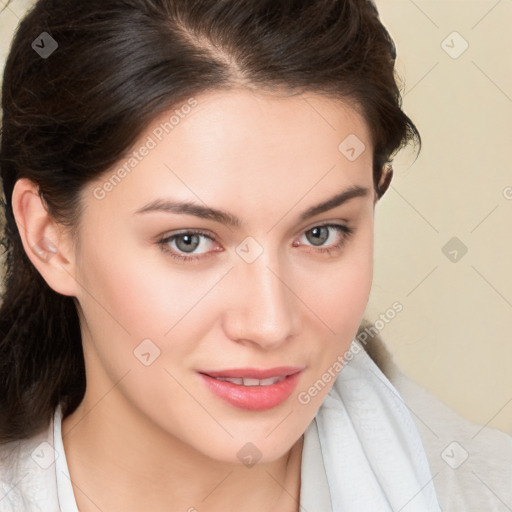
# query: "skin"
(154, 437)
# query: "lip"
(254, 373)
(253, 398)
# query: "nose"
(263, 309)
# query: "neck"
(118, 460)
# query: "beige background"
(453, 335)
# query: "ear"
(48, 246)
(385, 181)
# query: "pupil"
(188, 245)
(316, 231)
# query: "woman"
(190, 190)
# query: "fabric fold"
(371, 451)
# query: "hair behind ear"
(41, 357)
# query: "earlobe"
(44, 241)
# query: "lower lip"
(252, 398)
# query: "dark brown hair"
(69, 116)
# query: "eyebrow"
(205, 212)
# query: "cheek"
(121, 283)
(339, 296)
(338, 292)
(134, 294)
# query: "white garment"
(362, 452)
(471, 463)
(35, 476)
(372, 457)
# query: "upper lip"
(254, 373)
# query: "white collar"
(371, 453)
(361, 452)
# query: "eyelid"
(342, 227)
(163, 243)
(185, 231)
(329, 222)
(345, 230)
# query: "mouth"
(253, 373)
(251, 388)
(248, 381)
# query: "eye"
(337, 234)
(182, 246)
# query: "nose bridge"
(263, 310)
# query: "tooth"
(233, 380)
(236, 380)
(247, 381)
(269, 381)
(251, 382)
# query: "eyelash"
(345, 231)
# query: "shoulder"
(471, 464)
(27, 474)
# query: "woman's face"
(169, 294)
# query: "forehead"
(258, 146)
(240, 123)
